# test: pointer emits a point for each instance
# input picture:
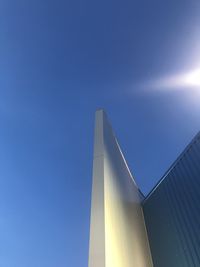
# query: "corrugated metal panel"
(172, 212)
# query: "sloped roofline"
(195, 138)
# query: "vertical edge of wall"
(146, 233)
(97, 224)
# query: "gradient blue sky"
(59, 62)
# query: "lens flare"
(187, 80)
(192, 78)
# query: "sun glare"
(192, 78)
(185, 80)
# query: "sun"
(192, 78)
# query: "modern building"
(172, 212)
(130, 230)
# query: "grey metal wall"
(117, 232)
(172, 212)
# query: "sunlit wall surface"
(117, 232)
(172, 212)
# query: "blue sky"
(60, 61)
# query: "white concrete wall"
(117, 233)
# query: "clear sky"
(59, 62)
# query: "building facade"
(128, 230)
(172, 212)
(118, 236)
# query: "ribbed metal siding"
(172, 213)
